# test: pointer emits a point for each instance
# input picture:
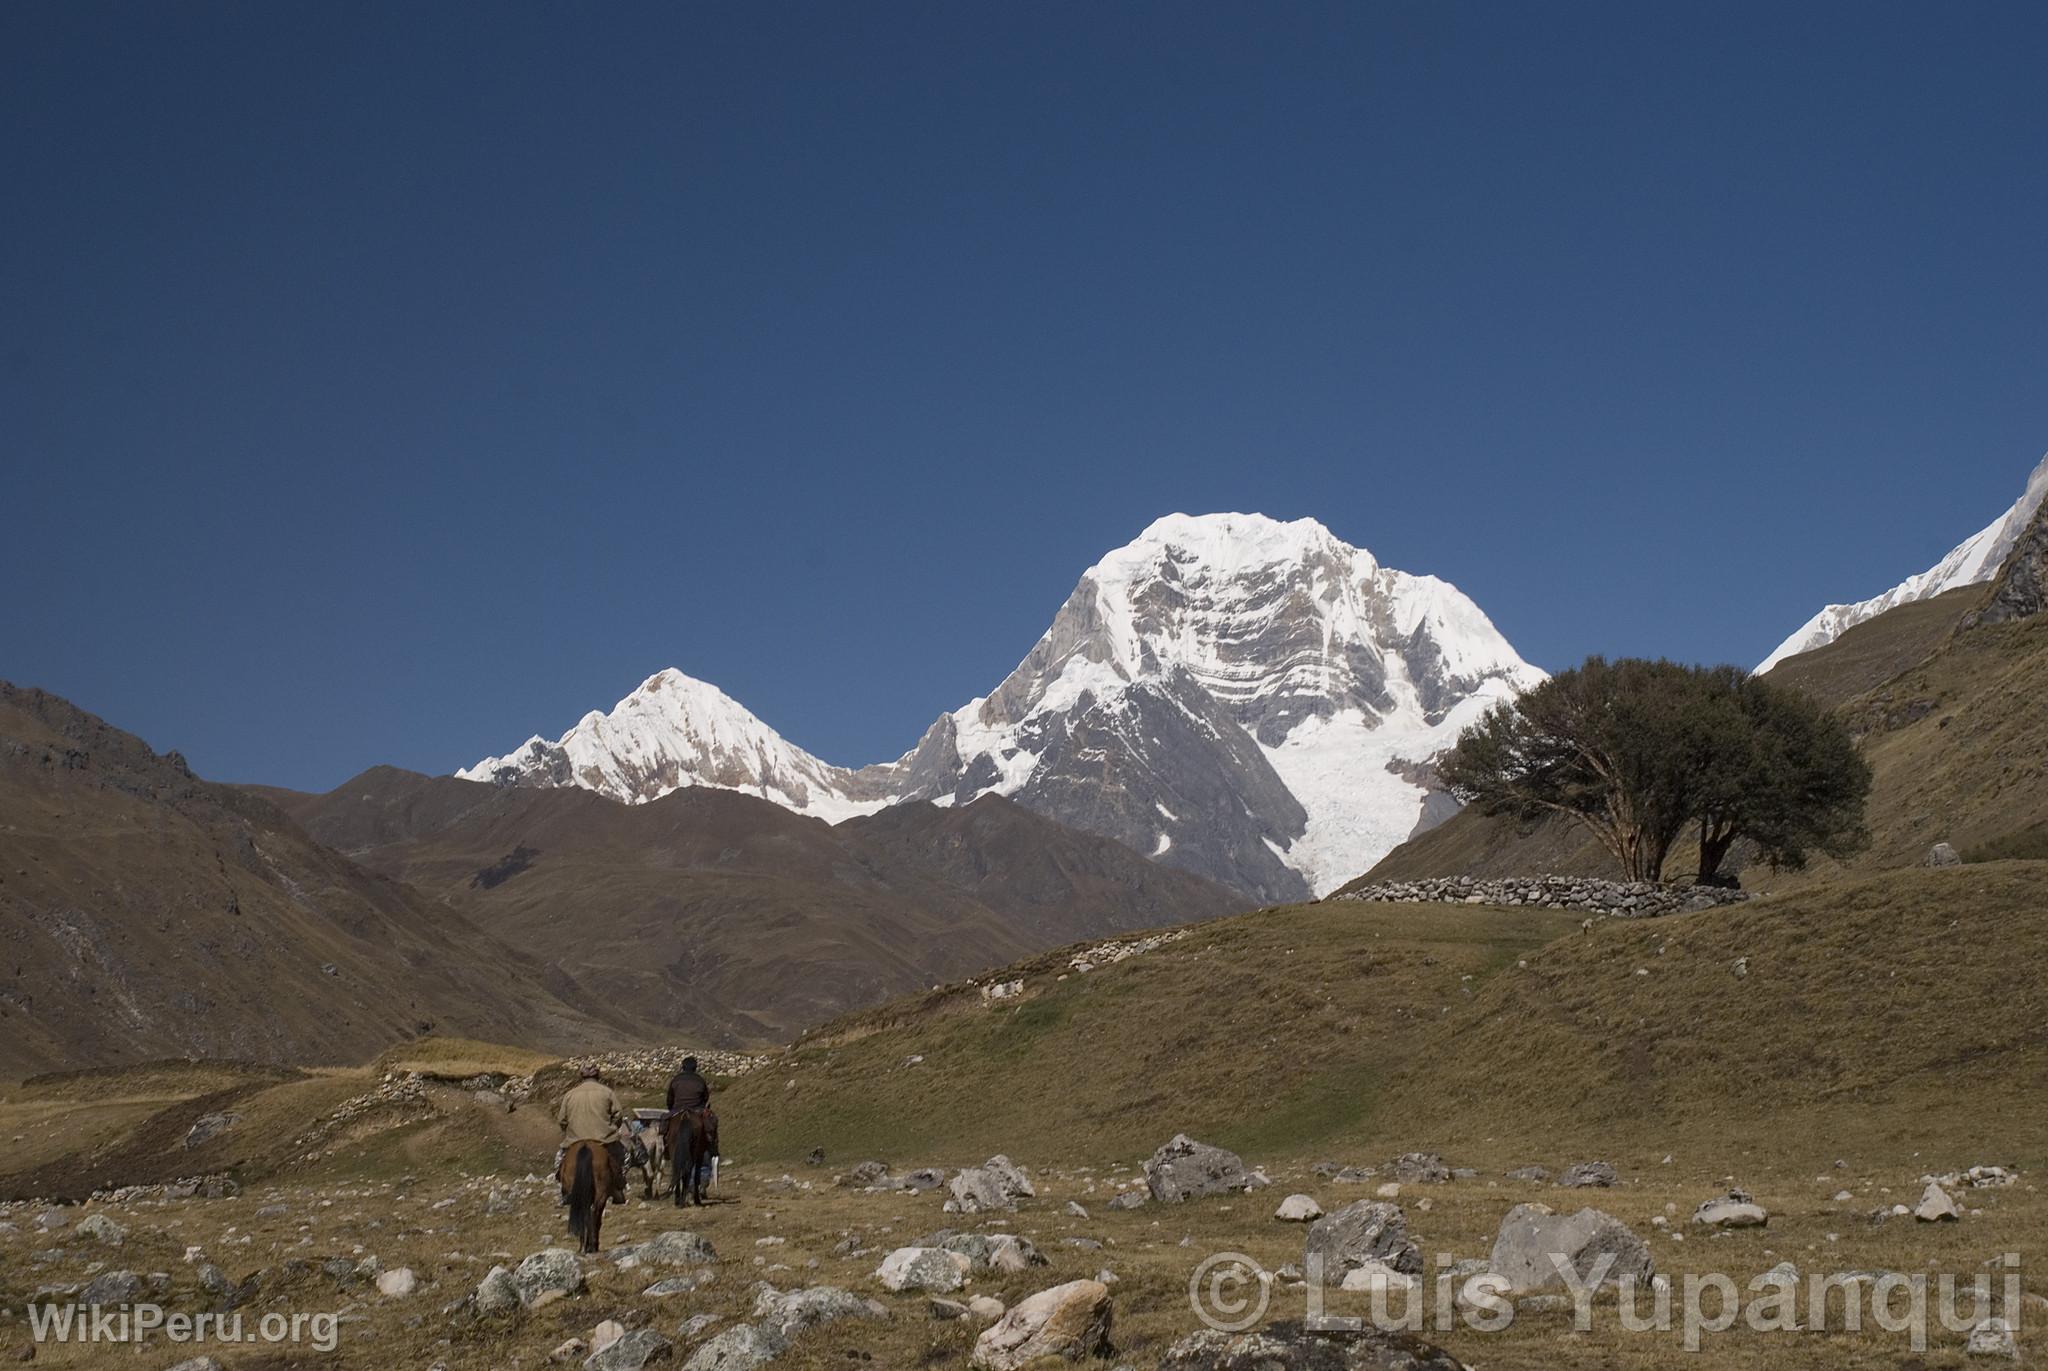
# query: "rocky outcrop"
(996, 1184)
(2021, 590)
(1534, 1240)
(1185, 1169)
(1619, 899)
(1358, 1234)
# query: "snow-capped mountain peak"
(1974, 561)
(1248, 698)
(675, 730)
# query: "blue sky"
(387, 383)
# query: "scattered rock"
(207, 1127)
(1585, 1174)
(933, 1270)
(995, 1184)
(112, 1287)
(571, 1349)
(677, 1247)
(1129, 1199)
(547, 1276)
(1538, 1174)
(1420, 1168)
(678, 1285)
(1944, 854)
(1368, 1231)
(1298, 1209)
(1068, 1321)
(1289, 1346)
(742, 1347)
(1377, 1275)
(1993, 1338)
(629, 1351)
(100, 1228)
(1935, 1206)
(1532, 1236)
(987, 1308)
(397, 1282)
(1736, 1209)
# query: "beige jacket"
(590, 1112)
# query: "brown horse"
(691, 1139)
(586, 1175)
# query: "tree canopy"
(1636, 750)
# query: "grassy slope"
(1350, 1028)
(1269, 1030)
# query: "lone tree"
(1636, 750)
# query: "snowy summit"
(1247, 698)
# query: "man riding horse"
(590, 1112)
(691, 1132)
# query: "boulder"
(1129, 1199)
(112, 1287)
(677, 1247)
(1290, 1346)
(988, 1251)
(788, 1313)
(1588, 1174)
(100, 1228)
(923, 1179)
(1419, 1168)
(1368, 1231)
(864, 1174)
(1185, 1169)
(1372, 1274)
(933, 1270)
(742, 1347)
(630, 1351)
(987, 1308)
(995, 1184)
(496, 1293)
(1298, 1209)
(207, 1127)
(1935, 1206)
(1944, 854)
(548, 1276)
(1993, 1338)
(1736, 1209)
(1533, 1238)
(1068, 1321)
(397, 1282)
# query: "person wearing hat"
(590, 1112)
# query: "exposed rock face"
(1243, 698)
(1292, 1347)
(1621, 899)
(1368, 1231)
(1068, 1321)
(2021, 590)
(1533, 1239)
(1185, 1169)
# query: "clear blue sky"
(387, 383)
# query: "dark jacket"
(688, 1091)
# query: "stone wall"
(1620, 899)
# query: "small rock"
(102, 1229)
(1298, 1209)
(1993, 1338)
(1585, 1174)
(397, 1282)
(933, 1270)
(1935, 1206)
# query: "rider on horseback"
(590, 1112)
(688, 1089)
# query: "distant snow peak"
(1974, 561)
(1247, 698)
(675, 730)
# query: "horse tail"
(582, 1193)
